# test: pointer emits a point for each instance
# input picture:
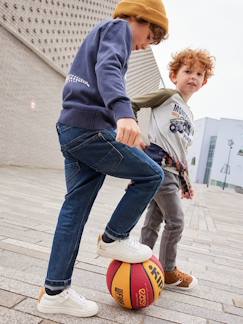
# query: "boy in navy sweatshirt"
(99, 135)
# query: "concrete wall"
(31, 101)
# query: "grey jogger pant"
(165, 206)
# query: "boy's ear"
(173, 77)
(204, 82)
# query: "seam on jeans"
(102, 136)
(150, 166)
(76, 171)
(120, 236)
(56, 288)
(62, 128)
(78, 241)
(63, 280)
(77, 139)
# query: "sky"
(215, 25)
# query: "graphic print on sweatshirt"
(74, 78)
(180, 123)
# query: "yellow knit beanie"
(152, 11)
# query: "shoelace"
(72, 293)
(131, 242)
(181, 275)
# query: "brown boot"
(180, 280)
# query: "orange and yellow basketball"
(137, 285)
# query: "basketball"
(135, 285)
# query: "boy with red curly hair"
(170, 134)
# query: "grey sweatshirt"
(171, 122)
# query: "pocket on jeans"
(61, 128)
(99, 153)
(71, 171)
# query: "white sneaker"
(127, 250)
(67, 302)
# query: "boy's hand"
(188, 195)
(129, 133)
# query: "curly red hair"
(191, 57)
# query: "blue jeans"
(89, 156)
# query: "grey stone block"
(238, 302)
(153, 320)
(233, 310)
(173, 315)
(15, 317)
(9, 299)
(190, 300)
(48, 322)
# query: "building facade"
(216, 156)
(38, 40)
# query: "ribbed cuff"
(123, 110)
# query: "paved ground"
(212, 248)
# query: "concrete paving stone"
(238, 302)
(23, 251)
(219, 251)
(210, 224)
(236, 264)
(27, 245)
(228, 229)
(99, 261)
(188, 248)
(233, 310)
(48, 322)
(194, 223)
(223, 288)
(228, 270)
(211, 294)
(190, 300)
(193, 256)
(8, 316)
(29, 235)
(153, 320)
(198, 311)
(9, 299)
(13, 261)
(23, 276)
(173, 316)
(47, 228)
(221, 278)
(89, 279)
(25, 214)
(19, 287)
(20, 220)
(120, 315)
(91, 268)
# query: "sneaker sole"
(193, 284)
(59, 310)
(127, 260)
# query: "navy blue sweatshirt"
(94, 95)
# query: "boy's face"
(142, 36)
(189, 79)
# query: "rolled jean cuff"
(114, 235)
(57, 284)
(169, 267)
